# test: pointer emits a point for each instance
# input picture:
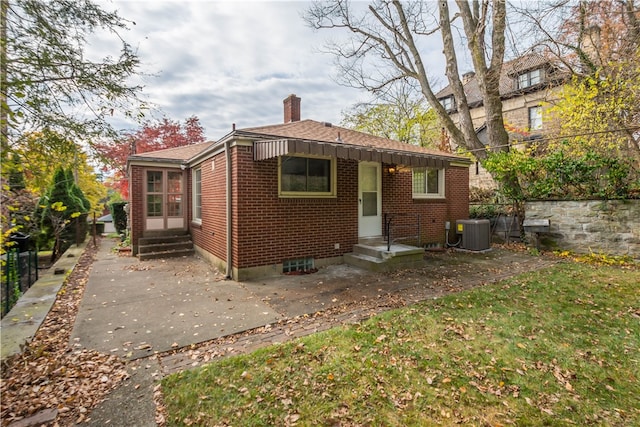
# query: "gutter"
(227, 155)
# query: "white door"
(369, 199)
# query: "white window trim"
(529, 78)
(310, 194)
(529, 111)
(441, 186)
(450, 100)
(196, 219)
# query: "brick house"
(296, 195)
(528, 87)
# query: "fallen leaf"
(92, 374)
(291, 419)
(286, 402)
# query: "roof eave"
(140, 159)
(268, 149)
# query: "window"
(535, 118)
(154, 182)
(307, 176)
(428, 183)
(174, 205)
(530, 78)
(174, 193)
(197, 194)
(447, 103)
(154, 205)
(302, 264)
(154, 193)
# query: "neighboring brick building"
(528, 86)
(275, 197)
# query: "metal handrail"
(389, 227)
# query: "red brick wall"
(136, 204)
(211, 234)
(397, 199)
(457, 192)
(270, 229)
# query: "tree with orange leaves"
(150, 137)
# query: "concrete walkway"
(22, 322)
(135, 308)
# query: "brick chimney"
(291, 109)
(466, 77)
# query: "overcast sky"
(233, 61)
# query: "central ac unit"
(476, 234)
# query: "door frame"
(166, 221)
(370, 226)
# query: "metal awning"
(264, 150)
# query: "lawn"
(555, 347)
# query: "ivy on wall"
(562, 175)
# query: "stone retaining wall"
(600, 226)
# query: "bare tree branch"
(384, 49)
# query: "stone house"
(528, 87)
(294, 196)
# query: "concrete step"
(369, 250)
(365, 262)
(381, 251)
(378, 258)
(164, 246)
(166, 254)
(153, 240)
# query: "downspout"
(227, 153)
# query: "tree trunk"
(389, 38)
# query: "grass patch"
(555, 347)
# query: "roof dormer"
(448, 103)
(529, 78)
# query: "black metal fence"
(19, 272)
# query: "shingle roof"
(509, 71)
(183, 153)
(307, 130)
(326, 132)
